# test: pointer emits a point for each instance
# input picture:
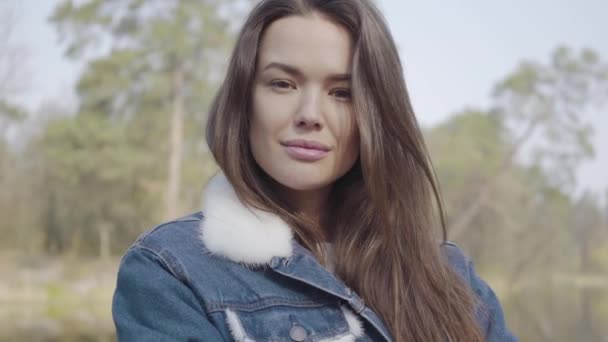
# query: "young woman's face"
(303, 131)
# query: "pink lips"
(305, 150)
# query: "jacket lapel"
(305, 268)
(255, 238)
(239, 233)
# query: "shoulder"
(463, 266)
(456, 258)
(169, 246)
(490, 314)
(175, 249)
(178, 234)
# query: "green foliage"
(89, 182)
(101, 174)
(107, 166)
(11, 112)
(96, 178)
(524, 208)
(468, 138)
(508, 172)
(548, 103)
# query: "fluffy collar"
(240, 233)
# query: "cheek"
(347, 133)
(260, 123)
(269, 113)
(269, 118)
(352, 146)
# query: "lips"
(306, 150)
(309, 144)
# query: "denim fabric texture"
(172, 287)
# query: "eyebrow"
(295, 72)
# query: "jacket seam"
(164, 225)
(264, 304)
(163, 260)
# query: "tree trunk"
(463, 221)
(175, 140)
(104, 240)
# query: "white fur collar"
(239, 233)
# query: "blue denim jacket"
(236, 274)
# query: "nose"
(309, 113)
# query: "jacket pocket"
(282, 323)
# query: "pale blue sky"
(453, 52)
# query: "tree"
(160, 71)
(507, 172)
(153, 67)
(93, 181)
(587, 229)
(525, 226)
(13, 63)
(543, 107)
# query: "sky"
(453, 52)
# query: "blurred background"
(102, 111)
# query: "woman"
(320, 226)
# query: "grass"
(56, 296)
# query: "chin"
(301, 181)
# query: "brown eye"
(343, 94)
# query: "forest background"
(83, 173)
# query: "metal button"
(298, 333)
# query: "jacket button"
(298, 333)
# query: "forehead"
(311, 43)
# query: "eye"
(281, 84)
(341, 93)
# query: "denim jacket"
(237, 274)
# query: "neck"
(310, 203)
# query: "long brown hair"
(383, 214)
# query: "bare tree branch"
(463, 221)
